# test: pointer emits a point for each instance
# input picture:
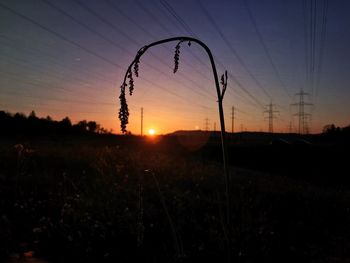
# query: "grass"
(92, 200)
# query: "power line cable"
(178, 18)
(46, 98)
(322, 44)
(231, 48)
(108, 61)
(147, 32)
(24, 64)
(258, 103)
(157, 21)
(34, 51)
(266, 50)
(135, 42)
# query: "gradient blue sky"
(68, 58)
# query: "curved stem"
(220, 95)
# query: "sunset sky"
(68, 58)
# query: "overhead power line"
(24, 64)
(65, 100)
(177, 17)
(322, 44)
(232, 49)
(266, 50)
(91, 52)
(150, 34)
(114, 43)
(238, 83)
(58, 35)
(39, 53)
(315, 31)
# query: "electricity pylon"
(271, 115)
(302, 115)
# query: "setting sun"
(151, 131)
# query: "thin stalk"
(220, 96)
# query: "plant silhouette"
(134, 66)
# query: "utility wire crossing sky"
(69, 57)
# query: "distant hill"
(187, 132)
(241, 137)
(330, 134)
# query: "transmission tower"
(271, 115)
(302, 115)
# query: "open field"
(118, 199)
(174, 131)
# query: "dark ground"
(119, 199)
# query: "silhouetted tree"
(19, 121)
(330, 129)
(92, 126)
(65, 125)
(66, 122)
(20, 116)
(48, 118)
(32, 115)
(82, 126)
(19, 124)
(6, 121)
(103, 131)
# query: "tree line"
(333, 132)
(20, 124)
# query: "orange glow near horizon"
(82, 77)
(151, 132)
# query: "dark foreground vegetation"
(105, 198)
